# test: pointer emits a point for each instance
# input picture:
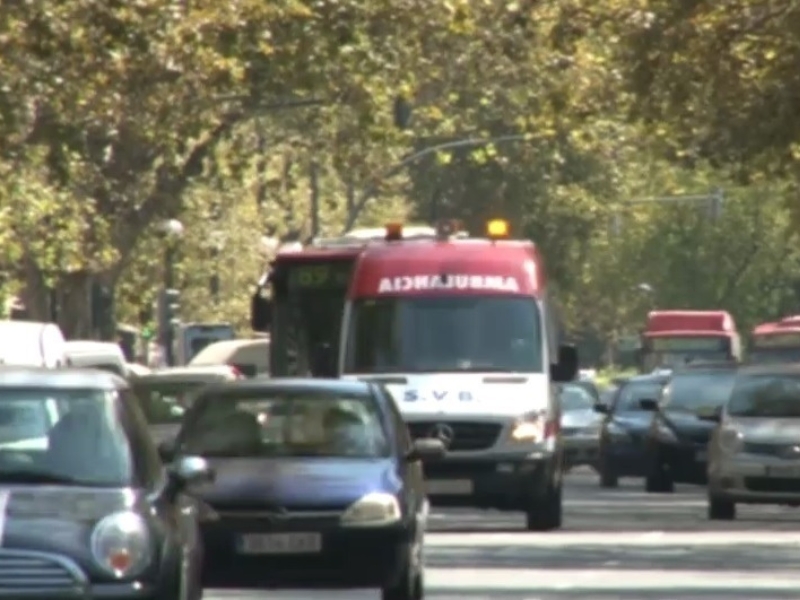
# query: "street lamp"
(169, 298)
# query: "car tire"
(409, 586)
(720, 509)
(608, 476)
(659, 480)
(546, 514)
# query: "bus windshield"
(444, 334)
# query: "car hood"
(301, 483)
(690, 425)
(634, 420)
(786, 430)
(459, 395)
(581, 418)
(60, 519)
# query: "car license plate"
(460, 487)
(701, 456)
(783, 471)
(280, 543)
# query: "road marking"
(651, 538)
(610, 580)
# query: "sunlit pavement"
(620, 543)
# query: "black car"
(164, 395)
(318, 485)
(88, 509)
(624, 428)
(683, 421)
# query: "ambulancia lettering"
(409, 283)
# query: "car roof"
(42, 377)
(290, 384)
(196, 373)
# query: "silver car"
(580, 425)
(754, 454)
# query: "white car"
(754, 455)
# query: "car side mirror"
(601, 408)
(167, 450)
(566, 369)
(192, 470)
(260, 312)
(425, 449)
(648, 404)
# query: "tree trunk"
(75, 305)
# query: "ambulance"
(673, 338)
(777, 342)
(462, 332)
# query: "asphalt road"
(620, 543)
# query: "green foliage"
(228, 117)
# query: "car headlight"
(121, 544)
(374, 509)
(664, 433)
(730, 440)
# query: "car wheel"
(659, 480)
(409, 586)
(546, 515)
(608, 476)
(721, 510)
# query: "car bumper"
(348, 558)
(755, 480)
(581, 450)
(687, 463)
(505, 482)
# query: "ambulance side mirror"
(566, 369)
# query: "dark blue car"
(317, 485)
(624, 428)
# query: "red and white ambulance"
(462, 332)
(776, 342)
(673, 338)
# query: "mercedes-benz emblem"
(442, 432)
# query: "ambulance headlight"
(529, 428)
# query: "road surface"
(620, 543)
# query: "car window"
(64, 436)
(698, 391)
(772, 396)
(165, 402)
(633, 392)
(575, 397)
(269, 423)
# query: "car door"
(409, 472)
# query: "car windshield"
(700, 391)
(281, 424)
(770, 395)
(633, 392)
(444, 334)
(165, 402)
(576, 397)
(70, 437)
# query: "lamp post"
(169, 297)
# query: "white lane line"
(534, 580)
(650, 538)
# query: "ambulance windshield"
(444, 334)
